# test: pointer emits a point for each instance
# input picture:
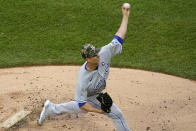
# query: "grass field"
(161, 33)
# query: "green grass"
(161, 33)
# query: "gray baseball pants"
(116, 115)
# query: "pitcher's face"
(94, 60)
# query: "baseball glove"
(106, 101)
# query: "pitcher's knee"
(119, 114)
(116, 114)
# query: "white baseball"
(126, 5)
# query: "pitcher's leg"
(118, 119)
(52, 109)
(69, 107)
(116, 115)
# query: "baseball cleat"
(45, 113)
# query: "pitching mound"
(148, 100)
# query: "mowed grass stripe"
(161, 33)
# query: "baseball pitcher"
(91, 82)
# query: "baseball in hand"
(126, 5)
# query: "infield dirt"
(149, 101)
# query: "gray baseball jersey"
(90, 83)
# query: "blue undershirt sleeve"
(81, 104)
(119, 39)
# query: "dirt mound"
(148, 100)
